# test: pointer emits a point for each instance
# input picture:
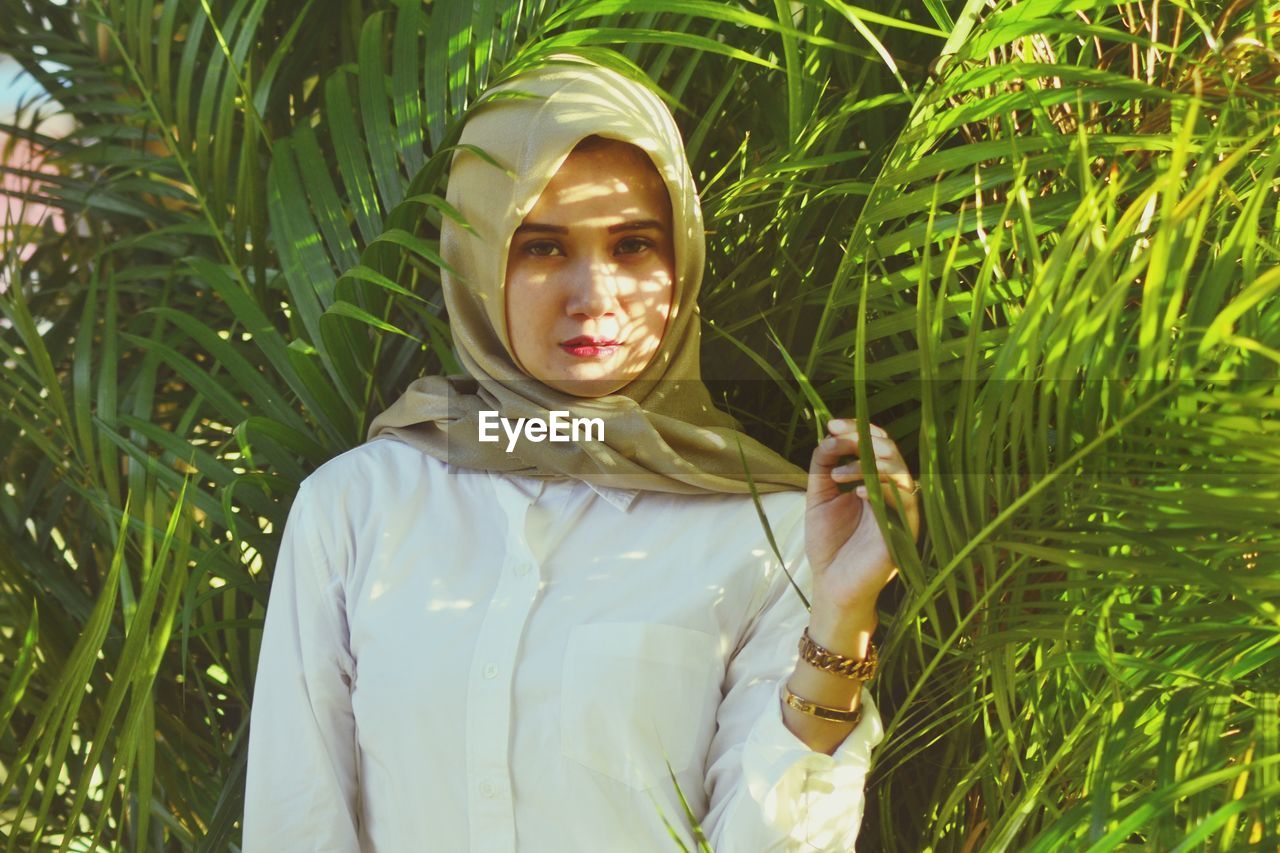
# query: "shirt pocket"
(638, 694)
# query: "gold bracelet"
(825, 712)
(825, 659)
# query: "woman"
(480, 638)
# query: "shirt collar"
(532, 488)
(620, 498)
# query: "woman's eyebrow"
(538, 226)
(633, 225)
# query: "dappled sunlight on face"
(591, 272)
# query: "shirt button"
(487, 789)
(490, 670)
(522, 568)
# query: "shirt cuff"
(812, 797)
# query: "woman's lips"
(585, 347)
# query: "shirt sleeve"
(769, 791)
(301, 779)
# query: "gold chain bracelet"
(847, 667)
(829, 661)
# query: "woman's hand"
(846, 550)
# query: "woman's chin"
(585, 386)
(586, 377)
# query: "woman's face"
(591, 271)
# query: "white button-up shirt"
(460, 660)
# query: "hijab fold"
(662, 432)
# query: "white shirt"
(460, 660)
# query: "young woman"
(483, 638)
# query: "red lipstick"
(585, 346)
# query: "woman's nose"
(594, 289)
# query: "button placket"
(489, 706)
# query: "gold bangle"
(825, 712)
(825, 659)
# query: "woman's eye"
(632, 245)
(541, 248)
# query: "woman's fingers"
(833, 447)
(897, 485)
(892, 485)
(832, 464)
(885, 471)
(897, 495)
(849, 426)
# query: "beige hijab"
(661, 431)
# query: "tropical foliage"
(1034, 240)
